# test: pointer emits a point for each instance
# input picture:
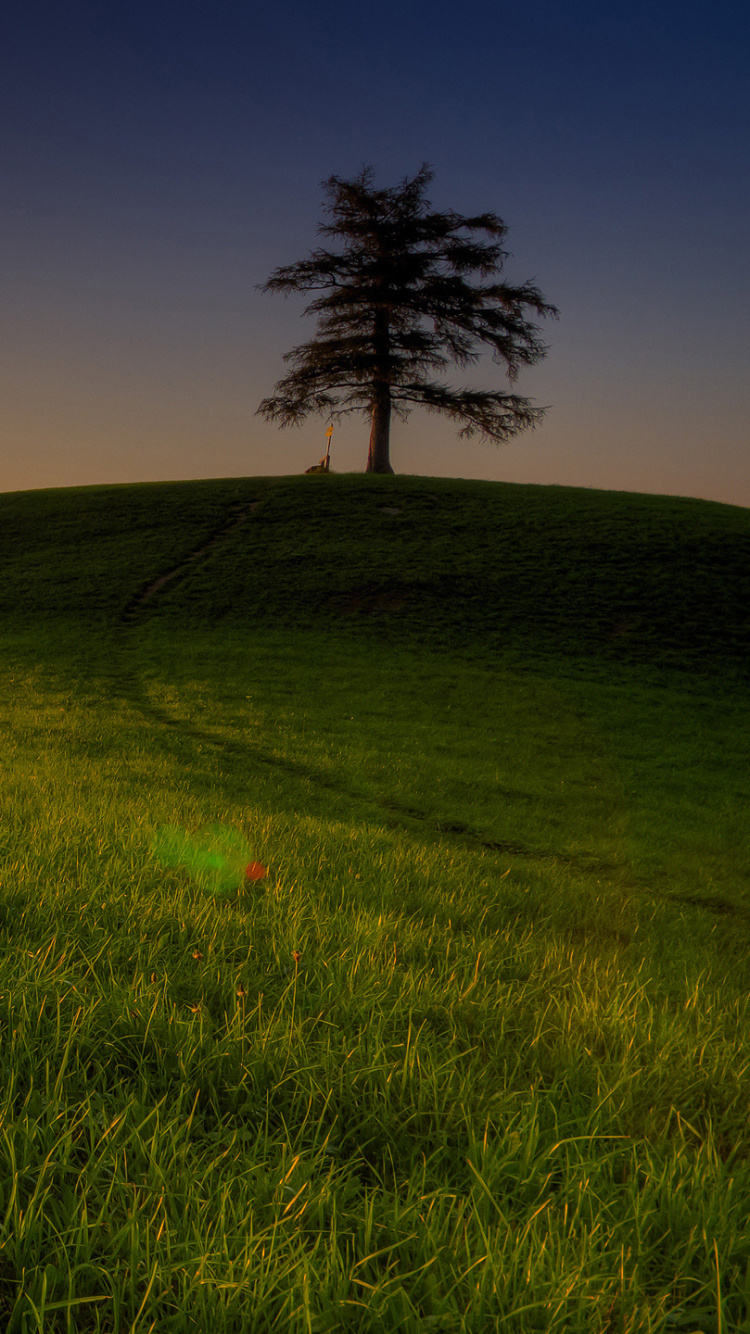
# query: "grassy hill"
(473, 1052)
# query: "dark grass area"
(515, 573)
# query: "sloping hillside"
(597, 579)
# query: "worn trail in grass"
(474, 1054)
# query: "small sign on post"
(325, 462)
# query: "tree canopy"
(408, 293)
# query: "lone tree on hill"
(398, 305)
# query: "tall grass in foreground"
(474, 1055)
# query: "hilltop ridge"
(550, 573)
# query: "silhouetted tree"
(398, 305)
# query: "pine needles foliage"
(410, 293)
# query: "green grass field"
(474, 1054)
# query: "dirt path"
(240, 516)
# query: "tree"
(397, 306)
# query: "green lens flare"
(215, 857)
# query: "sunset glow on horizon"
(159, 162)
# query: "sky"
(158, 160)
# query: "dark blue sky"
(157, 161)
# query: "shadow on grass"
(240, 763)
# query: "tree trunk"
(378, 459)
